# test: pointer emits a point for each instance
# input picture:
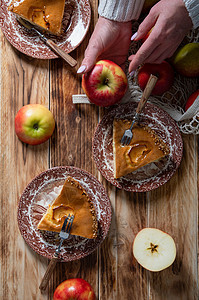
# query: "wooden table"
(111, 270)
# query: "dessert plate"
(29, 43)
(152, 175)
(35, 199)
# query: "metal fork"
(128, 134)
(64, 234)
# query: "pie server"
(71, 61)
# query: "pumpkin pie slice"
(73, 199)
(144, 148)
(47, 14)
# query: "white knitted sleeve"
(193, 10)
(120, 10)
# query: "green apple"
(186, 60)
(34, 124)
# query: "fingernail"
(134, 36)
(81, 69)
(132, 73)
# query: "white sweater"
(127, 10)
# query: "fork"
(128, 134)
(64, 234)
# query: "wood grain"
(72, 143)
(173, 209)
(111, 270)
(23, 81)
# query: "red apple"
(105, 84)
(34, 124)
(74, 289)
(191, 99)
(163, 71)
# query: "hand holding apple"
(163, 71)
(154, 249)
(105, 84)
(34, 124)
(74, 289)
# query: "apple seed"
(153, 248)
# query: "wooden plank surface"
(173, 209)
(23, 81)
(111, 270)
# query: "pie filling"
(138, 152)
(145, 147)
(61, 211)
(47, 14)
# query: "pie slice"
(72, 199)
(144, 148)
(47, 14)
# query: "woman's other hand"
(170, 22)
(110, 40)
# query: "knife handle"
(48, 273)
(147, 92)
(71, 61)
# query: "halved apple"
(154, 249)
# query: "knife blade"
(69, 59)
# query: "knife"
(71, 61)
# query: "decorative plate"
(152, 175)
(40, 193)
(76, 22)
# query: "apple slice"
(154, 249)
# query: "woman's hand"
(170, 22)
(110, 40)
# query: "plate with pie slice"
(152, 157)
(69, 24)
(53, 195)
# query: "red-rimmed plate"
(29, 43)
(40, 193)
(148, 177)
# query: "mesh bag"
(174, 100)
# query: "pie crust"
(47, 14)
(73, 199)
(145, 147)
